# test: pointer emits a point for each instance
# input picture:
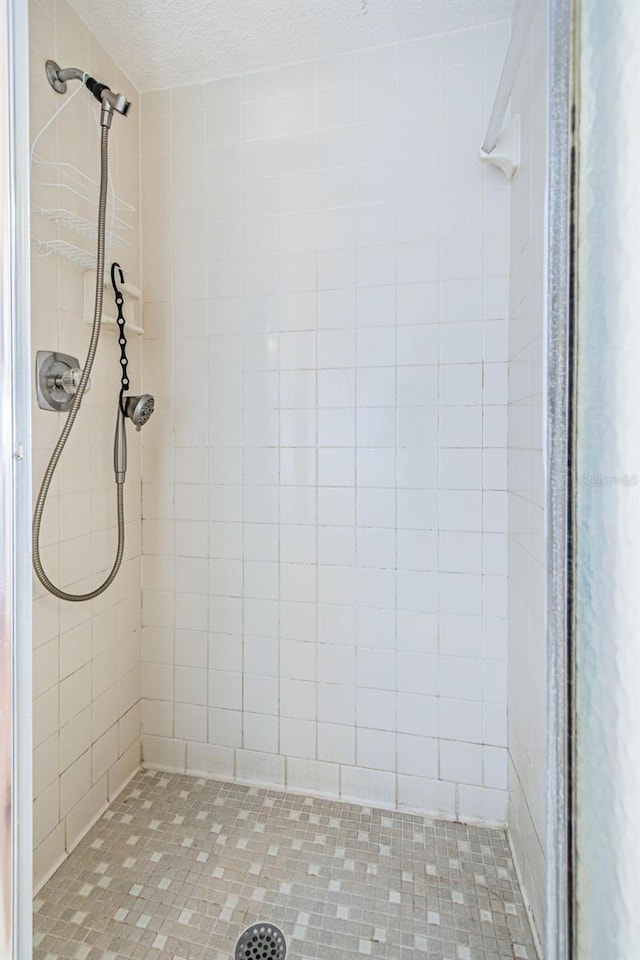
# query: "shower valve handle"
(69, 381)
(58, 377)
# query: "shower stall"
(298, 712)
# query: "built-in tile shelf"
(131, 307)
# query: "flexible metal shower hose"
(75, 406)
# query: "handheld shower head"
(139, 409)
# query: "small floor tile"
(170, 871)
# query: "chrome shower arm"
(71, 73)
(110, 101)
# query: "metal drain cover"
(261, 941)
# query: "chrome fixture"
(262, 939)
(139, 409)
(58, 377)
(109, 100)
(65, 377)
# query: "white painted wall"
(325, 268)
(527, 640)
(86, 657)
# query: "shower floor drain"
(261, 941)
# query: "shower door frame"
(591, 833)
(15, 489)
(563, 143)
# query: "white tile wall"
(86, 658)
(325, 268)
(527, 637)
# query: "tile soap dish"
(132, 304)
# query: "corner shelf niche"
(131, 307)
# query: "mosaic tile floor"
(179, 866)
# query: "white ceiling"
(166, 43)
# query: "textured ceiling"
(165, 43)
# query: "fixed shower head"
(109, 100)
(139, 409)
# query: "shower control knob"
(70, 381)
(58, 377)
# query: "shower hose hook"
(122, 340)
